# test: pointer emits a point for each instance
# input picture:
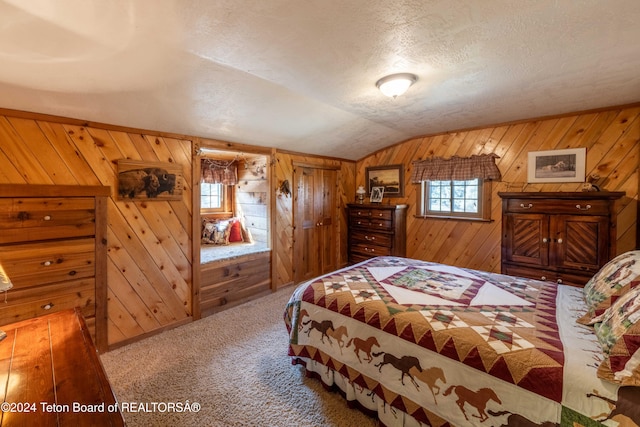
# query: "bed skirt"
(362, 398)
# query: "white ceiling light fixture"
(396, 84)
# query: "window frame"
(484, 203)
(226, 196)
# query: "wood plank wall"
(149, 242)
(251, 196)
(612, 139)
(150, 265)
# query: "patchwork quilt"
(420, 342)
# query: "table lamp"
(361, 192)
(5, 285)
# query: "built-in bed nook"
(235, 257)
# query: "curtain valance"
(456, 168)
(219, 172)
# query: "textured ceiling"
(300, 74)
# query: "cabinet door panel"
(527, 238)
(580, 241)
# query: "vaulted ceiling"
(300, 74)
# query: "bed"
(420, 343)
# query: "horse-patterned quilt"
(454, 346)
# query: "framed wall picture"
(376, 194)
(391, 178)
(557, 165)
(140, 180)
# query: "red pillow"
(235, 235)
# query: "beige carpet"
(233, 364)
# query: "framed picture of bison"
(557, 165)
(140, 180)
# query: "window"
(212, 197)
(455, 199)
(459, 187)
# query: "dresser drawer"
(371, 213)
(564, 277)
(31, 219)
(368, 238)
(24, 304)
(372, 224)
(370, 249)
(571, 207)
(34, 264)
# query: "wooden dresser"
(376, 230)
(51, 375)
(560, 237)
(53, 248)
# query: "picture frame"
(376, 194)
(568, 165)
(141, 180)
(391, 178)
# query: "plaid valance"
(219, 172)
(456, 168)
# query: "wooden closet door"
(315, 246)
(326, 212)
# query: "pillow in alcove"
(221, 233)
(209, 227)
(246, 234)
(235, 233)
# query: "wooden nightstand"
(51, 375)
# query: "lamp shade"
(5, 283)
(361, 190)
(396, 84)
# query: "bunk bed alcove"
(233, 244)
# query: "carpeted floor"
(234, 365)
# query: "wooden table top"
(51, 375)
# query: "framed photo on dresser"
(376, 194)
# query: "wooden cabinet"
(560, 237)
(376, 230)
(53, 249)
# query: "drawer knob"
(47, 263)
(545, 240)
(47, 306)
(586, 208)
(559, 281)
(529, 206)
(543, 278)
(47, 218)
(380, 214)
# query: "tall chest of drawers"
(376, 230)
(53, 249)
